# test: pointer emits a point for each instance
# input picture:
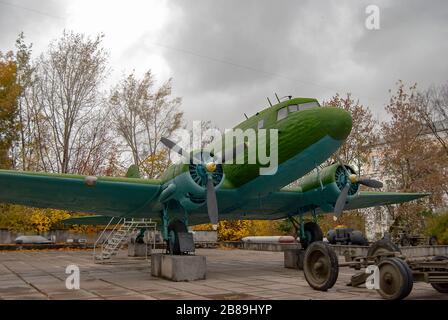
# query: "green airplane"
(190, 192)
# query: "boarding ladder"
(117, 233)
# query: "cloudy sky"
(226, 56)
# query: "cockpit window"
(282, 113)
(308, 105)
(292, 108)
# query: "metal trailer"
(396, 272)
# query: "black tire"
(357, 238)
(440, 287)
(382, 246)
(396, 280)
(174, 228)
(321, 267)
(313, 233)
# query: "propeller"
(209, 164)
(351, 179)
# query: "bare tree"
(66, 101)
(433, 109)
(142, 115)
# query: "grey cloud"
(227, 56)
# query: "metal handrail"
(102, 233)
(99, 238)
(127, 226)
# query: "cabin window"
(282, 113)
(260, 124)
(292, 108)
(308, 105)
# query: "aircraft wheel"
(312, 233)
(174, 228)
(396, 280)
(440, 287)
(320, 266)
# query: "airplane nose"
(336, 121)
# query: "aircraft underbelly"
(292, 169)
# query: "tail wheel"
(396, 280)
(174, 228)
(440, 287)
(321, 267)
(312, 233)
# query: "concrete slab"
(231, 274)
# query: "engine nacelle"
(189, 187)
(323, 188)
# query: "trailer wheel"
(395, 279)
(440, 287)
(321, 267)
(382, 246)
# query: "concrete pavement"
(231, 274)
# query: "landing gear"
(321, 267)
(174, 228)
(310, 232)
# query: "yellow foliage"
(26, 219)
(155, 164)
(234, 230)
(350, 219)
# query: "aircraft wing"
(280, 204)
(372, 199)
(108, 196)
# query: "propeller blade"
(340, 203)
(212, 204)
(372, 183)
(174, 147)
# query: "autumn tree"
(142, 114)
(9, 93)
(410, 157)
(358, 145)
(23, 147)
